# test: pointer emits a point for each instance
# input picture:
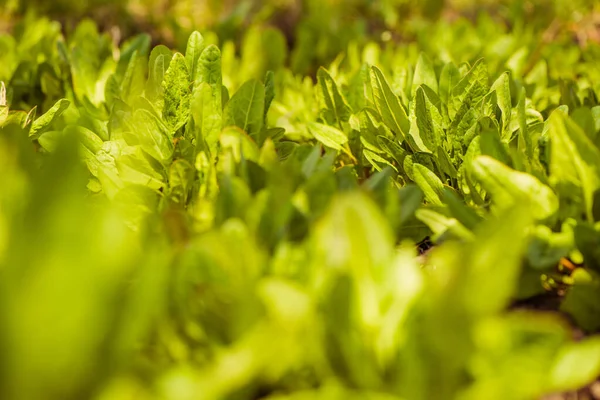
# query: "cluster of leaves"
(183, 225)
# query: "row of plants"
(316, 31)
(208, 224)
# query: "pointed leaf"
(160, 58)
(334, 107)
(246, 108)
(45, 121)
(430, 184)
(574, 160)
(388, 104)
(502, 88)
(195, 46)
(509, 187)
(424, 74)
(328, 135)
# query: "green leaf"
(491, 145)
(147, 131)
(328, 135)
(582, 303)
(469, 91)
(430, 184)
(269, 91)
(246, 108)
(209, 68)
(443, 160)
(207, 102)
(160, 58)
(195, 46)
(50, 140)
(388, 104)
(442, 225)
(426, 131)
(176, 85)
(424, 74)
(240, 144)
(132, 84)
(354, 236)
(509, 187)
(492, 263)
(181, 178)
(333, 106)
(90, 142)
(576, 365)
(502, 88)
(525, 144)
(457, 208)
(574, 160)
(137, 168)
(45, 121)
(448, 80)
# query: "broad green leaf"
(207, 102)
(49, 140)
(388, 104)
(469, 91)
(424, 74)
(582, 302)
(546, 247)
(132, 84)
(576, 365)
(151, 134)
(370, 128)
(502, 88)
(181, 178)
(195, 46)
(525, 144)
(425, 123)
(137, 168)
(89, 141)
(491, 145)
(377, 161)
(333, 106)
(441, 224)
(457, 208)
(587, 239)
(584, 117)
(509, 187)
(176, 85)
(45, 121)
(448, 80)
(239, 143)
(328, 135)
(138, 45)
(209, 68)
(90, 63)
(429, 183)
(160, 58)
(354, 238)
(493, 262)
(246, 108)
(445, 164)
(574, 160)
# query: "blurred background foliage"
(315, 31)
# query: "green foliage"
(211, 224)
